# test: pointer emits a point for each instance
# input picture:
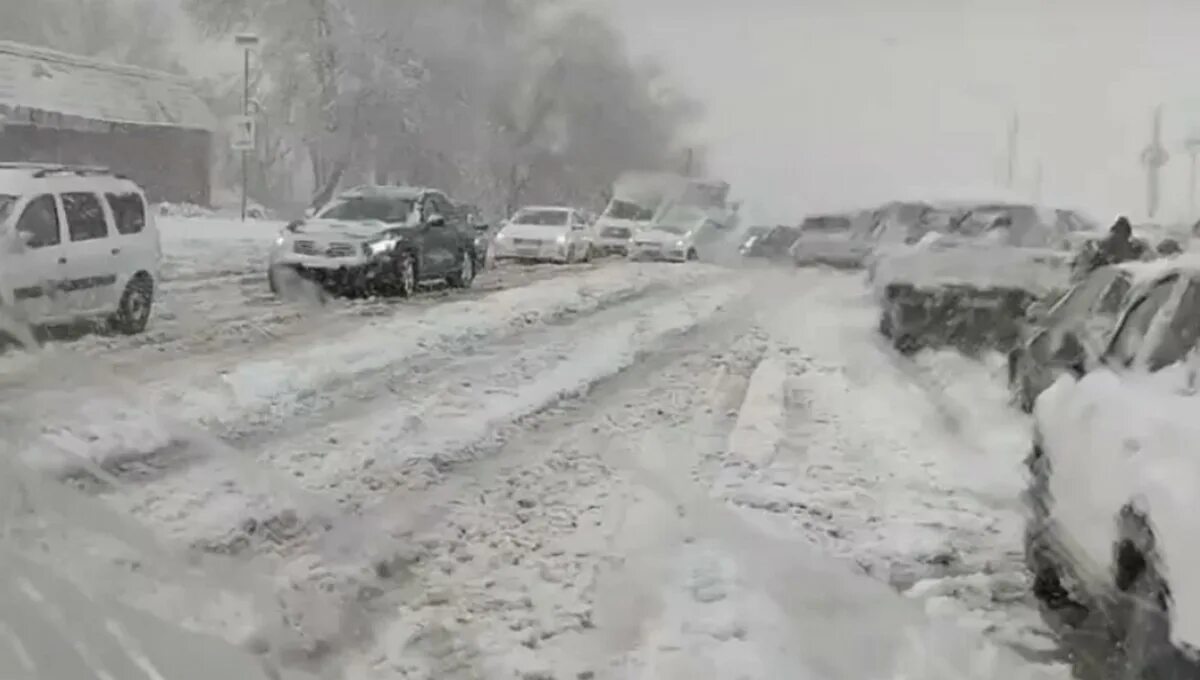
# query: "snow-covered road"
(612, 471)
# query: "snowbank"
(759, 424)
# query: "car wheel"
(1025, 396)
(406, 275)
(1062, 610)
(1142, 618)
(133, 311)
(692, 255)
(907, 344)
(587, 253)
(466, 271)
(16, 333)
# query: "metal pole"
(1037, 185)
(245, 112)
(1013, 131)
(1192, 186)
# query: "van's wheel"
(133, 312)
(466, 271)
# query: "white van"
(75, 244)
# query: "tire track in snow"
(332, 580)
(111, 424)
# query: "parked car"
(616, 227)
(775, 244)
(683, 234)
(836, 241)
(750, 236)
(1089, 309)
(1114, 473)
(546, 234)
(969, 279)
(76, 244)
(376, 240)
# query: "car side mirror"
(436, 220)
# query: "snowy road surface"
(610, 471)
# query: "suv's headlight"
(561, 240)
(380, 246)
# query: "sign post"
(246, 41)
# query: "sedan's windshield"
(542, 218)
(362, 208)
(6, 205)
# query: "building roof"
(35, 81)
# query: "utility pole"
(1154, 157)
(1014, 131)
(1192, 144)
(246, 41)
(1037, 184)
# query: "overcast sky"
(819, 104)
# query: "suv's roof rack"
(45, 169)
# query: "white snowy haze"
(816, 104)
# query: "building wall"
(171, 164)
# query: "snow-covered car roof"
(546, 208)
(1039, 270)
(385, 191)
(35, 79)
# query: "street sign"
(243, 135)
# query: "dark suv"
(378, 240)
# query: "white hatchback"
(548, 234)
(75, 244)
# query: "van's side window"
(40, 222)
(128, 211)
(85, 216)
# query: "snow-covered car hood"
(533, 231)
(356, 230)
(661, 237)
(830, 241)
(1037, 270)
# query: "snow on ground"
(910, 469)
(622, 471)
